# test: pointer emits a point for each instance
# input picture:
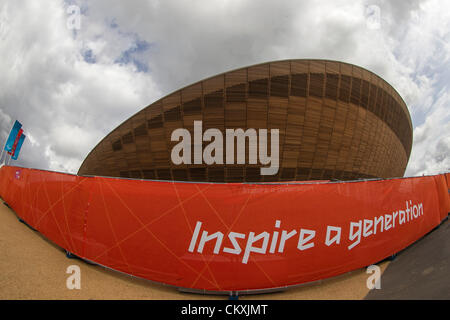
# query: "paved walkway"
(421, 271)
(31, 267)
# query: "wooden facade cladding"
(335, 120)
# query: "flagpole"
(4, 145)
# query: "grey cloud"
(443, 150)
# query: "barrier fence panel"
(53, 203)
(227, 237)
(447, 178)
(61, 204)
(443, 195)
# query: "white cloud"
(69, 89)
(431, 151)
(65, 103)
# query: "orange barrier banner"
(443, 195)
(226, 237)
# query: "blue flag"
(19, 145)
(12, 136)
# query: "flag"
(15, 143)
(18, 147)
(12, 136)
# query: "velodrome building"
(335, 121)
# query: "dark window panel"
(328, 175)
(198, 174)
(214, 100)
(163, 174)
(155, 122)
(378, 110)
(316, 85)
(148, 174)
(128, 138)
(373, 97)
(274, 178)
(117, 145)
(216, 174)
(316, 174)
(385, 106)
(136, 174)
(141, 130)
(253, 174)
(299, 84)
(236, 93)
(344, 92)
(173, 114)
(337, 174)
(279, 86)
(288, 174)
(124, 174)
(365, 94)
(347, 175)
(235, 174)
(332, 86)
(192, 107)
(356, 91)
(179, 174)
(258, 88)
(303, 173)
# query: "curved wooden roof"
(336, 121)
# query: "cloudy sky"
(71, 86)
